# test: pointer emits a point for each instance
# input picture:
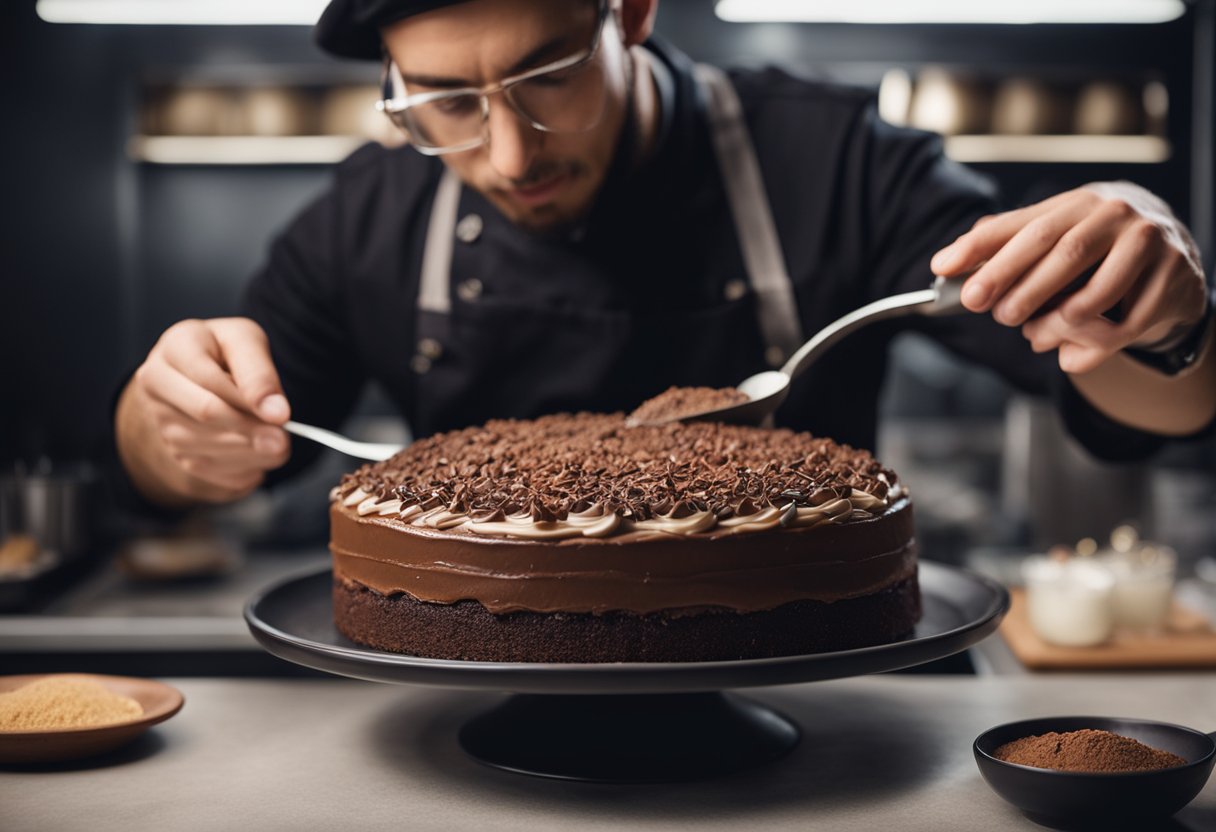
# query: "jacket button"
(469, 290)
(430, 348)
(469, 228)
(735, 289)
(775, 356)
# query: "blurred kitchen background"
(147, 166)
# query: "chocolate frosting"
(636, 572)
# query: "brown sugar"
(676, 403)
(60, 702)
(1086, 750)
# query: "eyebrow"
(550, 50)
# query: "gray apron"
(485, 357)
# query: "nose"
(513, 141)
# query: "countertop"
(877, 752)
(110, 612)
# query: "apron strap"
(434, 288)
(777, 308)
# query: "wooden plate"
(159, 701)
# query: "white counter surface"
(878, 753)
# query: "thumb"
(246, 352)
(274, 408)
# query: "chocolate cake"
(574, 538)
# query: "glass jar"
(1070, 601)
(1144, 586)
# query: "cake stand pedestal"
(639, 738)
(625, 722)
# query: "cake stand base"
(640, 738)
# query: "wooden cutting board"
(1187, 641)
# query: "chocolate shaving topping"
(488, 516)
(550, 467)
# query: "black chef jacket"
(860, 207)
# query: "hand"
(199, 421)
(1023, 259)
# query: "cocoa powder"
(1086, 750)
(676, 403)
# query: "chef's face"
(540, 180)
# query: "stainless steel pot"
(54, 505)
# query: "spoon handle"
(360, 450)
(942, 299)
(949, 296)
(823, 340)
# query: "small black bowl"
(1079, 800)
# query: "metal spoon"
(375, 451)
(767, 390)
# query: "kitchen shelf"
(325, 150)
(1071, 149)
(243, 150)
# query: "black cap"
(351, 28)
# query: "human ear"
(637, 20)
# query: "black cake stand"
(641, 722)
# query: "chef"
(583, 217)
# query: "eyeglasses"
(566, 96)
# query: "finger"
(990, 233)
(267, 447)
(239, 369)
(189, 438)
(1078, 351)
(1045, 333)
(1051, 331)
(1143, 308)
(1078, 249)
(1146, 305)
(1079, 358)
(1037, 236)
(983, 240)
(238, 465)
(1117, 277)
(204, 470)
(173, 389)
(246, 354)
(190, 347)
(270, 449)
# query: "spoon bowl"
(765, 392)
(1098, 800)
